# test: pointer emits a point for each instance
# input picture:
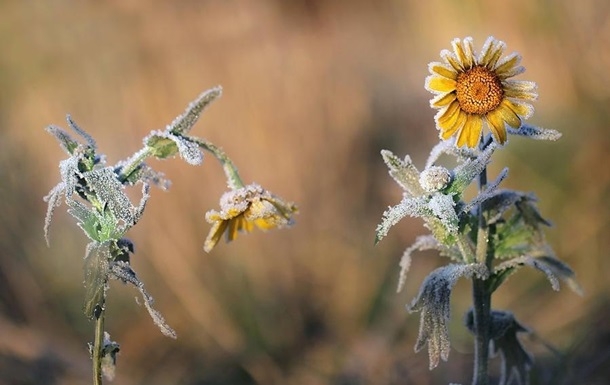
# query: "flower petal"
(463, 51)
(496, 126)
(441, 69)
(218, 228)
(471, 132)
(451, 60)
(520, 89)
(492, 50)
(439, 84)
(447, 116)
(507, 64)
(449, 131)
(523, 110)
(443, 100)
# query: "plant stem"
(98, 343)
(233, 179)
(481, 295)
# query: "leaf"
(433, 301)
(86, 219)
(465, 173)
(109, 190)
(166, 144)
(183, 123)
(123, 272)
(54, 200)
(423, 242)
(414, 207)
(487, 194)
(96, 277)
(404, 173)
(534, 132)
(516, 362)
(161, 145)
(553, 268)
(448, 147)
(88, 138)
(65, 140)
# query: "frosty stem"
(481, 295)
(98, 342)
(229, 168)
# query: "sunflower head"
(471, 90)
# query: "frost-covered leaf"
(165, 144)
(123, 272)
(86, 219)
(53, 198)
(534, 132)
(443, 207)
(161, 144)
(531, 215)
(487, 194)
(516, 362)
(67, 143)
(183, 123)
(501, 200)
(423, 242)
(466, 172)
(404, 173)
(548, 264)
(433, 301)
(109, 190)
(88, 138)
(96, 277)
(448, 147)
(415, 207)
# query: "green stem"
(98, 344)
(481, 294)
(234, 181)
(135, 161)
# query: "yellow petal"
(451, 60)
(496, 126)
(492, 50)
(440, 84)
(446, 117)
(442, 70)
(509, 110)
(462, 53)
(471, 132)
(520, 89)
(443, 100)
(448, 132)
(214, 235)
(523, 110)
(507, 64)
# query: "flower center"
(479, 90)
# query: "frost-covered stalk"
(95, 196)
(490, 237)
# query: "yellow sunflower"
(473, 89)
(243, 209)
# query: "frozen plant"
(95, 195)
(489, 237)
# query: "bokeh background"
(313, 90)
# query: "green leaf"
(96, 277)
(162, 146)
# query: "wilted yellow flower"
(244, 208)
(472, 89)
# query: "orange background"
(313, 90)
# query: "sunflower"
(471, 89)
(244, 208)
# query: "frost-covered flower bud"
(434, 178)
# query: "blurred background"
(313, 90)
